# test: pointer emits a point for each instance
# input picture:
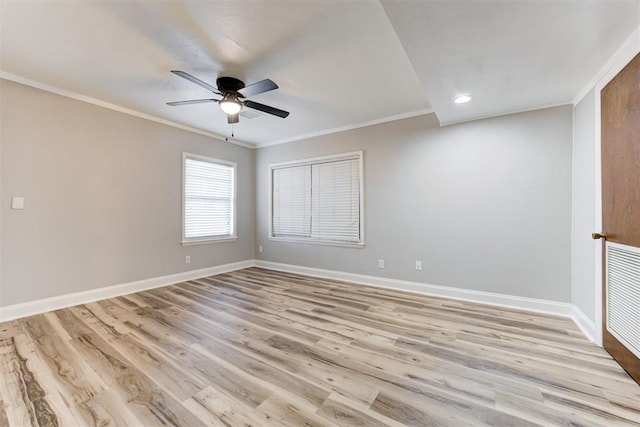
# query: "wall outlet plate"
(418, 265)
(380, 263)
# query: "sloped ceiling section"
(339, 64)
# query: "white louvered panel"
(292, 201)
(336, 201)
(208, 199)
(623, 294)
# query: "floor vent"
(623, 295)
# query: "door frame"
(622, 57)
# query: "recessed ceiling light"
(461, 99)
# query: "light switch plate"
(17, 203)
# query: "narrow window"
(209, 199)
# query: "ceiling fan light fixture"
(462, 98)
(230, 104)
(233, 91)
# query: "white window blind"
(292, 201)
(318, 200)
(209, 199)
(336, 201)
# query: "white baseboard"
(54, 303)
(530, 304)
(586, 325)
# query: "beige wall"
(102, 197)
(485, 205)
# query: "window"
(318, 200)
(208, 199)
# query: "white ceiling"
(339, 64)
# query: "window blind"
(208, 199)
(318, 200)
(336, 201)
(292, 201)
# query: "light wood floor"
(257, 347)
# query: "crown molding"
(349, 127)
(78, 97)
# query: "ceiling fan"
(233, 92)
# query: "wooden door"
(620, 106)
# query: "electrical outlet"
(187, 259)
(260, 248)
(418, 265)
(380, 263)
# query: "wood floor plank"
(346, 415)
(138, 397)
(137, 392)
(286, 411)
(412, 415)
(4, 420)
(214, 404)
(28, 404)
(278, 379)
(259, 347)
(79, 385)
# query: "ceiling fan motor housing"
(229, 84)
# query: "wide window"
(318, 200)
(209, 199)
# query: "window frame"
(234, 227)
(310, 161)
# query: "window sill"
(207, 240)
(357, 245)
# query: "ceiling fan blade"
(260, 87)
(196, 81)
(232, 118)
(266, 109)
(193, 101)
